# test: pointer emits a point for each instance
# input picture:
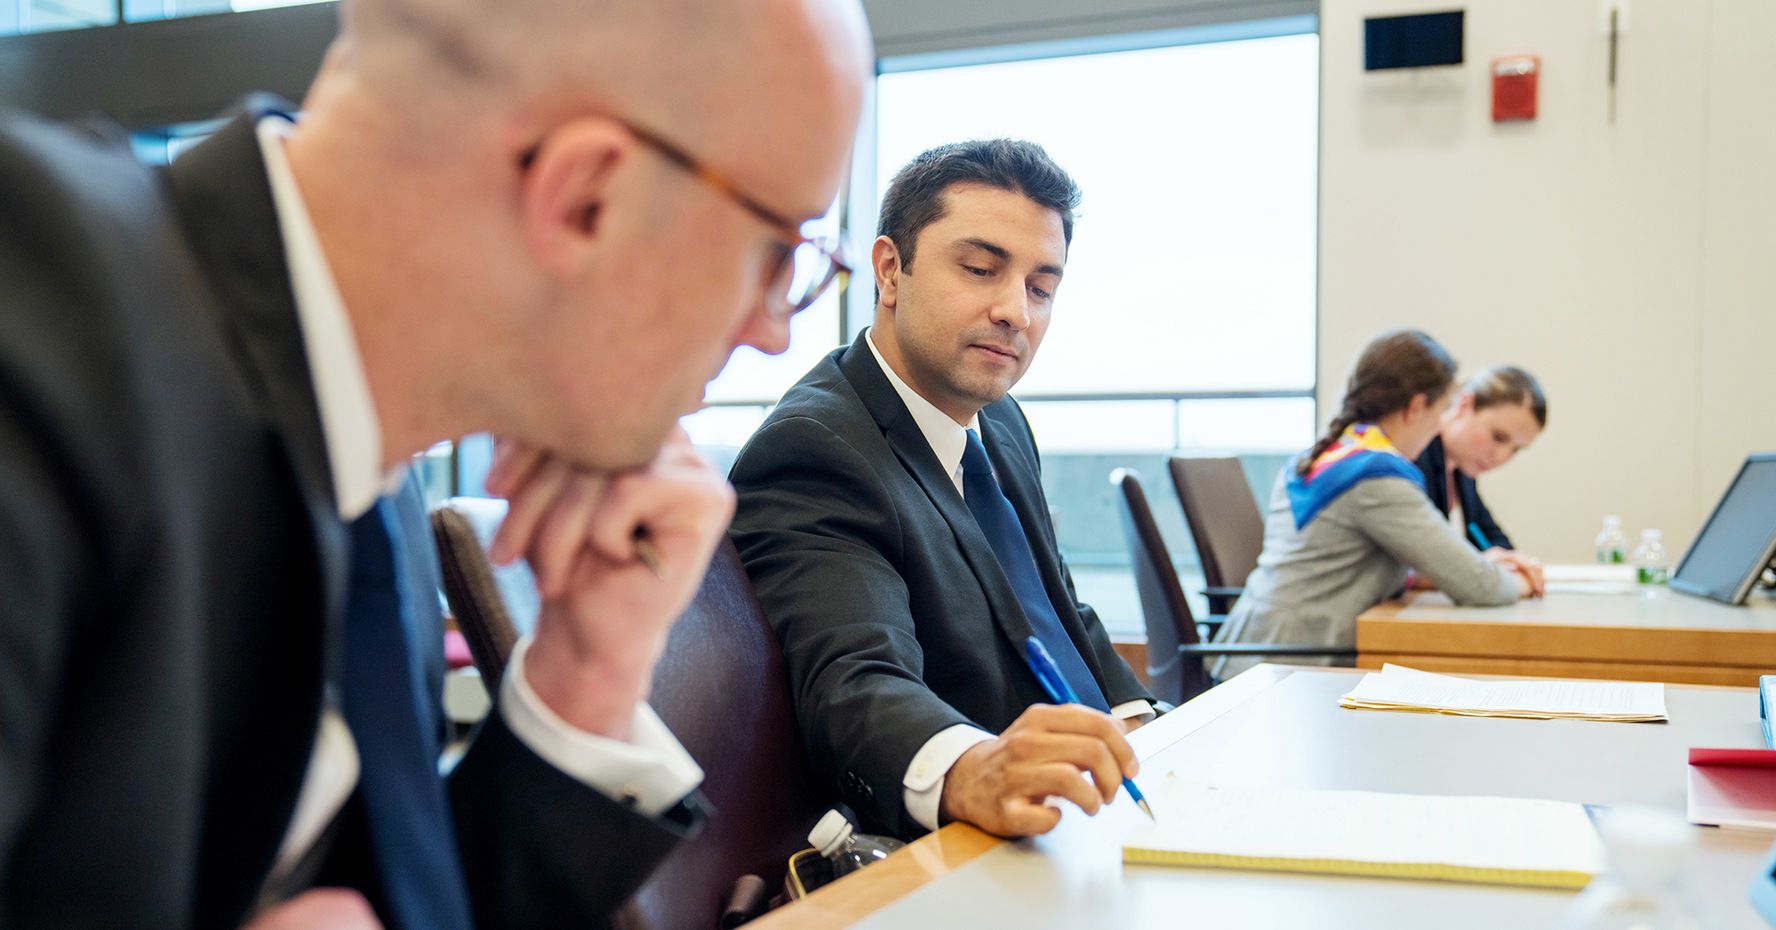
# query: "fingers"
(512, 466)
(681, 503)
(1027, 817)
(1083, 721)
(1082, 753)
(530, 502)
(562, 536)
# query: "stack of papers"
(1510, 841)
(1396, 687)
(1591, 579)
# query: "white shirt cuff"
(922, 789)
(650, 773)
(1134, 710)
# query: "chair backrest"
(1223, 517)
(1170, 677)
(492, 605)
(720, 687)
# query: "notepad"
(1397, 687)
(1504, 841)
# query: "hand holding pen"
(1055, 685)
(617, 557)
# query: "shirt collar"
(349, 426)
(948, 440)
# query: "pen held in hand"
(1055, 686)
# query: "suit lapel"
(859, 367)
(224, 201)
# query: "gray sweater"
(1311, 583)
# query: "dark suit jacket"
(1432, 464)
(895, 617)
(172, 568)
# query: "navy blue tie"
(1005, 533)
(411, 836)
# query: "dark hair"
(1395, 367)
(915, 197)
(1508, 385)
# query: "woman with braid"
(1349, 517)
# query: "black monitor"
(1738, 540)
(1421, 40)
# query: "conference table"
(1282, 726)
(1650, 634)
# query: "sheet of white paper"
(1593, 587)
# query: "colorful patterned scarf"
(1361, 453)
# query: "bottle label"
(1652, 574)
(1616, 556)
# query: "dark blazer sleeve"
(1474, 509)
(49, 553)
(820, 536)
(539, 848)
(1120, 683)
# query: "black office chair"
(1176, 647)
(1224, 522)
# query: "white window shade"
(1193, 259)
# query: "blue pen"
(1055, 685)
(1479, 537)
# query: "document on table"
(1510, 841)
(1396, 687)
(1590, 579)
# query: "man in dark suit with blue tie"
(217, 626)
(892, 519)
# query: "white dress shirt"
(652, 772)
(922, 788)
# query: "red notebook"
(1733, 788)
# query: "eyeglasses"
(808, 265)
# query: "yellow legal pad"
(1500, 841)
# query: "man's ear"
(885, 260)
(567, 186)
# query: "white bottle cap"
(1612, 520)
(830, 833)
(1651, 534)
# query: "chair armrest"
(1223, 590)
(1263, 649)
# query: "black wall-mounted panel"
(1422, 40)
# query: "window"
(18, 16)
(1187, 320)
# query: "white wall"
(1628, 265)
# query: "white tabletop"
(1284, 727)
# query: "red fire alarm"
(1514, 87)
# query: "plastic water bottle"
(1649, 558)
(849, 850)
(1612, 544)
(1646, 886)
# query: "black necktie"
(411, 836)
(1005, 533)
